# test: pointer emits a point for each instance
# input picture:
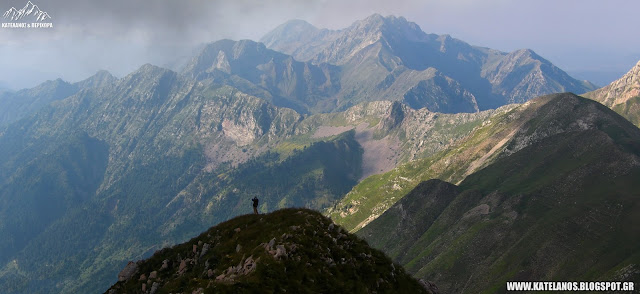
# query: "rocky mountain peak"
(525, 55)
(373, 21)
(99, 79)
(149, 68)
(149, 81)
(298, 38)
(290, 30)
(621, 90)
(371, 37)
(623, 95)
(230, 56)
(389, 27)
(247, 47)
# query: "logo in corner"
(31, 16)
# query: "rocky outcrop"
(622, 95)
(619, 91)
(522, 75)
(128, 271)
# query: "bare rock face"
(183, 267)
(619, 91)
(154, 288)
(128, 271)
(249, 265)
(242, 269)
(281, 252)
(165, 264)
(623, 95)
(205, 249)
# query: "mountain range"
(369, 199)
(101, 172)
(391, 58)
(378, 58)
(16, 105)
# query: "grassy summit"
(289, 250)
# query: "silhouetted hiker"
(255, 205)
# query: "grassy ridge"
(314, 256)
(556, 209)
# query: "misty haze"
(319, 146)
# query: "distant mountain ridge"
(273, 76)
(377, 58)
(16, 105)
(379, 53)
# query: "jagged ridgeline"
(394, 58)
(289, 250)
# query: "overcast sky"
(596, 40)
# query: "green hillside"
(506, 131)
(116, 172)
(289, 250)
(556, 209)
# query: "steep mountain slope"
(113, 172)
(391, 133)
(156, 156)
(623, 95)
(393, 59)
(299, 39)
(522, 74)
(289, 250)
(14, 106)
(106, 170)
(165, 156)
(556, 208)
(505, 132)
(271, 75)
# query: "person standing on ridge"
(255, 205)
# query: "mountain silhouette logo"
(29, 11)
